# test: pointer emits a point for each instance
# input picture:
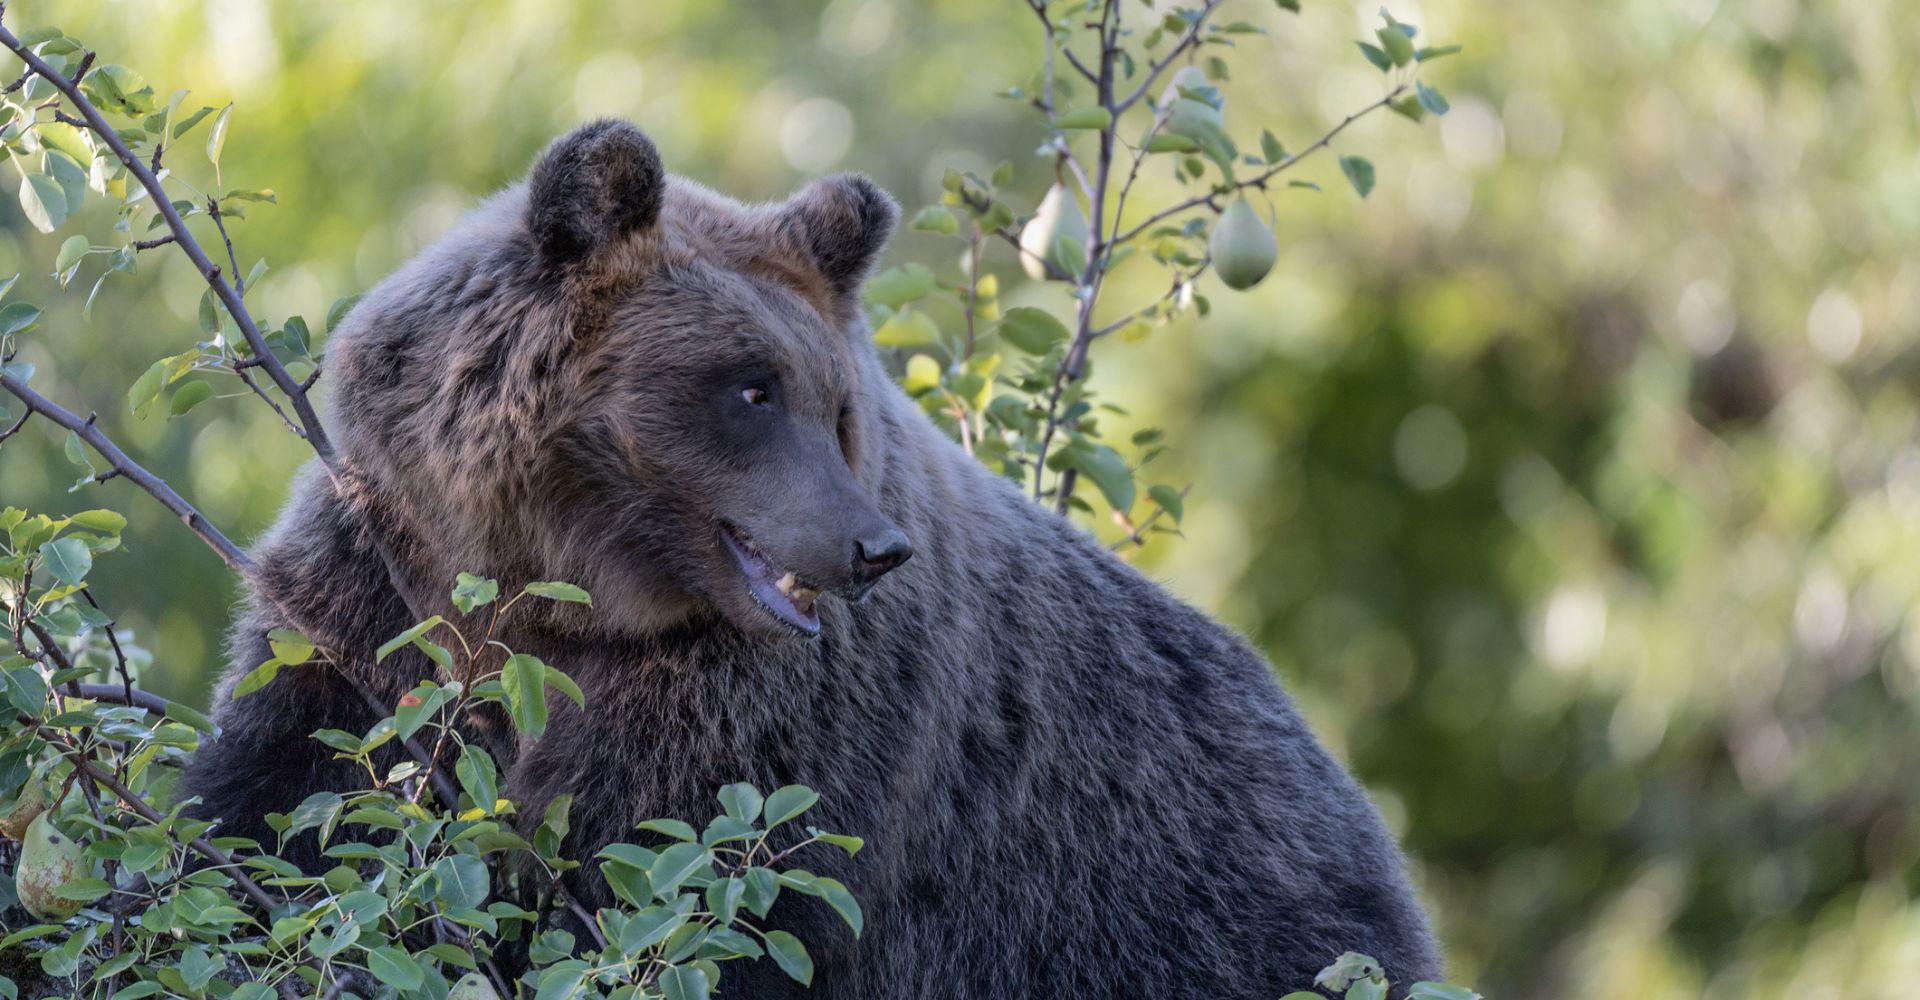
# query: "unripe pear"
(1190, 77)
(1058, 217)
(1242, 246)
(16, 814)
(48, 861)
(1196, 120)
(472, 986)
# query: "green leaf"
(469, 591)
(1167, 142)
(410, 635)
(554, 590)
(1431, 99)
(674, 866)
(85, 890)
(290, 646)
(146, 389)
(1359, 173)
(791, 956)
(524, 679)
(562, 683)
(841, 900)
(1436, 52)
(762, 889)
(419, 705)
(478, 777)
(68, 559)
(1109, 472)
(742, 801)
(651, 925)
(723, 899)
(71, 252)
(851, 845)
(672, 828)
(67, 139)
(17, 318)
(257, 678)
(788, 802)
(1084, 118)
(562, 981)
(1398, 46)
(899, 286)
(907, 328)
(43, 201)
(1270, 148)
(338, 311)
(395, 968)
(189, 396)
(1169, 500)
(685, 982)
(1376, 56)
(1034, 331)
(218, 140)
(463, 880)
(936, 219)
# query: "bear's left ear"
(842, 222)
(596, 185)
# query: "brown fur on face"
(584, 412)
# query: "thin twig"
(1211, 198)
(230, 553)
(1191, 39)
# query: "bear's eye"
(754, 396)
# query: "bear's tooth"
(786, 583)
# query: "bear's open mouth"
(783, 594)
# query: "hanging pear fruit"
(1242, 246)
(20, 811)
(1058, 219)
(48, 861)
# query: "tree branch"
(309, 420)
(1210, 199)
(1158, 66)
(229, 553)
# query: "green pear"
(472, 986)
(1242, 246)
(20, 811)
(48, 860)
(1197, 120)
(1189, 76)
(1057, 232)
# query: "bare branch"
(15, 429)
(124, 466)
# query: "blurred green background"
(1571, 480)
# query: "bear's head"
(622, 379)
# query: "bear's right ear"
(595, 186)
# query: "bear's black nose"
(876, 555)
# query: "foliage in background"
(1570, 479)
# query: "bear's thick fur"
(1070, 783)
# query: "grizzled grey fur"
(1071, 784)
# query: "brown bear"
(1071, 784)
